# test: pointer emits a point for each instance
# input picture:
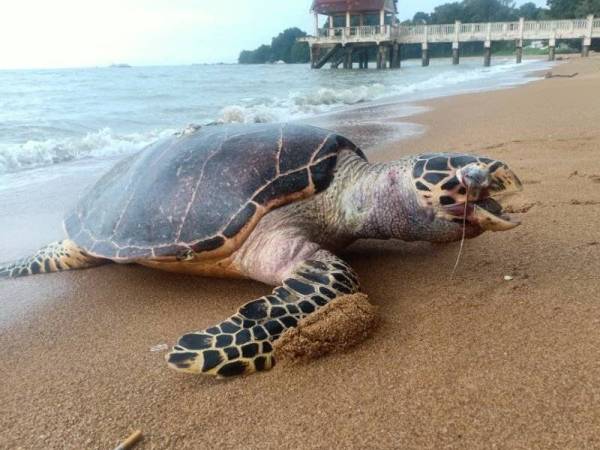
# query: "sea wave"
(449, 80)
(329, 96)
(99, 144)
(297, 103)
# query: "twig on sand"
(128, 443)
(551, 75)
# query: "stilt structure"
(487, 53)
(519, 48)
(359, 25)
(456, 44)
(519, 43)
(551, 49)
(425, 54)
(382, 58)
(487, 47)
(395, 56)
(348, 50)
(589, 33)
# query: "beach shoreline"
(467, 362)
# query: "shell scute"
(293, 142)
(282, 186)
(240, 220)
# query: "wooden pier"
(344, 45)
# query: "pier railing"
(461, 32)
(339, 34)
(340, 43)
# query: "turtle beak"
(492, 221)
(487, 210)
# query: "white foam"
(329, 96)
(408, 85)
(298, 104)
(244, 114)
(99, 144)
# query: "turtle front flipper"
(55, 257)
(242, 344)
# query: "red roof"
(341, 6)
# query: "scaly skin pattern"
(54, 257)
(242, 343)
(293, 247)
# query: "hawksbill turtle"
(273, 203)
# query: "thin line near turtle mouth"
(486, 213)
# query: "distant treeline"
(470, 11)
(285, 48)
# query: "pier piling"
(315, 51)
(587, 40)
(395, 61)
(456, 43)
(363, 59)
(585, 49)
(348, 51)
(487, 54)
(456, 53)
(552, 49)
(425, 55)
(382, 56)
(520, 40)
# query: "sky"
(84, 33)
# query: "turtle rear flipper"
(54, 257)
(242, 344)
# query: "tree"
(489, 10)
(587, 7)
(281, 45)
(300, 53)
(448, 13)
(570, 9)
(284, 47)
(563, 9)
(421, 17)
(530, 11)
(261, 55)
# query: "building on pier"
(354, 27)
(351, 28)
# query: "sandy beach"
(472, 361)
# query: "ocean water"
(50, 119)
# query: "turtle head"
(459, 191)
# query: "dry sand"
(469, 362)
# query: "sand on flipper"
(336, 327)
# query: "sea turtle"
(270, 202)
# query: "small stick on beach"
(551, 75)
(130, 441)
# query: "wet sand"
(469, 362)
